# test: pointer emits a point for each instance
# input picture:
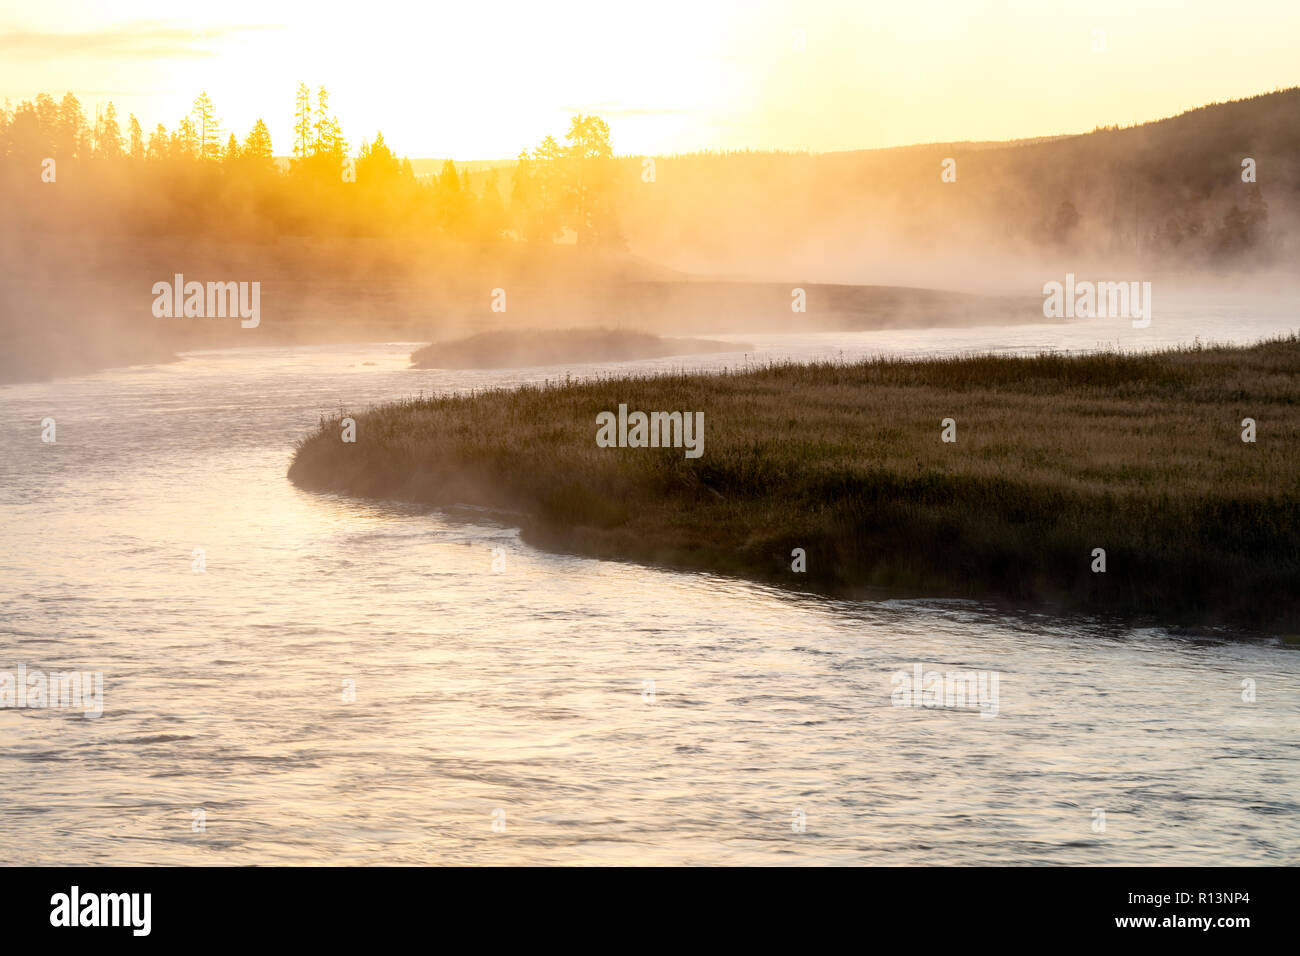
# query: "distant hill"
(1164, 192)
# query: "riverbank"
(1055, 457)
(517, 349)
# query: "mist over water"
(1179, 317)
(526, 690)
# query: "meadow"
(1054, 457)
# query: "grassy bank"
(1056, 456)
(524, 347)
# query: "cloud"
(146, 39)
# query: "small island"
(1162, 485)
(528, 347)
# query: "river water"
(352, 682)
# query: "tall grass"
(1139, 454)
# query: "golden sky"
(481, 79)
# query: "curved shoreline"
(1055, 457)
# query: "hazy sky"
(481, 79)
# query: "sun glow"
(486, 80)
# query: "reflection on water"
(527, 690)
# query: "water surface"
(521, 695)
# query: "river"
(347, 682)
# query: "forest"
(200, 178)
(1171, 191)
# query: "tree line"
(174, 178)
